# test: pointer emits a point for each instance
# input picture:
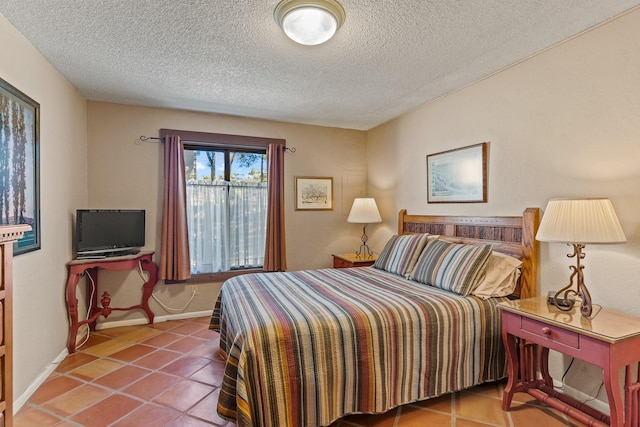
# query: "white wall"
(124, 173)
(565, 123)
(39, 310)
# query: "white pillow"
(500, 276)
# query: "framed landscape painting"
(20, 164)
(314, 193)
(458, 176)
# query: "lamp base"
(364, 248)
(562, 299)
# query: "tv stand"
(119, 263)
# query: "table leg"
(612, 386)
(147, 288)
(512, 358)
(72, 303)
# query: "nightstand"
(353, 260)
(609, 339)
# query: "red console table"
(609, 340)
(91, 266)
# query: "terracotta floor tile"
(411, 416)
(34, 418)
(206, 409)
(122, 377)
(107, 348)
(209, 349)
(74, 361)
(96, 369)
(108, 411)
(161, 340)
(165, 326)
(470, 423)
(183, 395)
(54, 387)
(95, 338)
(206, 334)
(211, 374)
(141, 334)
(481, 408)
(186, 344)
(186, 366)
(148, 415)
(188, 328)
(157, 359)
(438, 404)
(205, 320)
(185, 421)
(119, 331)
(387, 419)
(134, 352)
(151, 386)
(76, 400)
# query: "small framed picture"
(314, 193)
(458, 176)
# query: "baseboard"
(24, 397)
(157, 319)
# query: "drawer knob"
(546, 331)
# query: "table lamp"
(364, 211)
(578, 222)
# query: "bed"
(305, 348)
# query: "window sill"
(214, 277)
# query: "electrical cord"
(145, 279)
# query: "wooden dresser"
(8, 235)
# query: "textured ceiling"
(230, 57)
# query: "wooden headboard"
(512, 235)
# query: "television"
(109, 232)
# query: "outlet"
(194, 290)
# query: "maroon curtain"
(174, 253)
(275, 253)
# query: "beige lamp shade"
(582, 221)
(364, 211)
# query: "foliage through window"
(226, 207)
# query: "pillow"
(401, 252)
(500, 276)
(450, 266)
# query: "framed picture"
(20, 164)
(458, 176)
(314, 193)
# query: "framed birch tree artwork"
(20, 164)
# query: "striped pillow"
(401, 252)
(451, 266)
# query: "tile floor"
(167, 374)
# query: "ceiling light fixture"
(309, 22)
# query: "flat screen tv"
(109, 232)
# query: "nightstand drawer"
(544, 330)
(341, 263)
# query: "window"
(226, 202)
(226, 208)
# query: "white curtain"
(227, 225)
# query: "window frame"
(193, 140)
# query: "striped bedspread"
(306, 348)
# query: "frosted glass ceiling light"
(309, 22)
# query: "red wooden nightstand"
(609, 340)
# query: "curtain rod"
(147, 138)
